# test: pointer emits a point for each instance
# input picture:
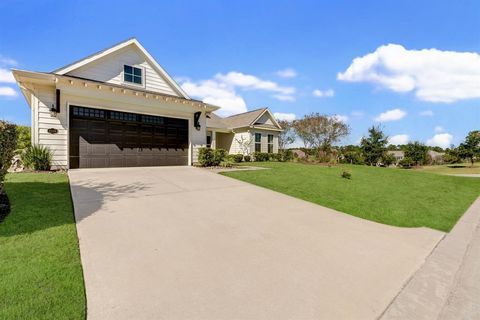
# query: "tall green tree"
(470, 148)
(374, 145)
(417, 152)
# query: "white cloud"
(283, 97)
(439, 129)
(247, 81)
(221, 90)
(6, 76)
(218, 94)
(7, 61)
(433, 75)
(357, 114)
(427, 113)
(339, 117)
(399, 139)
(284, 116)
(323, 93)
(287, 73)
(443, 140)
(391, 115)
(7, 92)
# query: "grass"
(459, 168)
(398, 197)
(40, 270)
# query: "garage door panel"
(101, 138)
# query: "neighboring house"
(399, 155)
(245, 133)
(436, 157)
(119, 108)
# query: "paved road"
(185, 243)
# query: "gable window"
(270, 143)
(132, 74)
(258, 142)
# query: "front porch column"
(214, 140)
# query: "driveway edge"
(427, 292)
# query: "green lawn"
(40, 271)
(398, 197)
(459, 168)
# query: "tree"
(320, 131)
(287, 136)
(388, 159)
(470, 148)
(417, 152)
(374, 146)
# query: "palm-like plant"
(37, 157)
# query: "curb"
(427, 292)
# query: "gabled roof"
(241, 120)
(132, 41)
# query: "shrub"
(218, 156)
(208, 157)
(23, 137)
(205, 157)
(388, 159)
(8, 143)
(287, 155)
(247, 158)
(227, 163)
(277, 156)
(406, 163)
(37, 157)
(346, 175)
(237, 158)
(260, 156)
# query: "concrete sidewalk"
(448, 284)
(185, 243)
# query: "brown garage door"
(103, 138)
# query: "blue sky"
(417, 70)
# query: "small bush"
(37, 157)
(346, 175)
(260, 156)
(237, 158)
(208, 157)
(205, 157)
(247, 158)
(227, 163)
(24, 137)
(218, 156)
(8, 143)
(287, 155)
(276, 157)
(406, 163)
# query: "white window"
(258, 142)
(132, 74)
(270, 143)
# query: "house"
(245, 133)
(399, 155)
(120, 108)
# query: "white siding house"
(119, 107)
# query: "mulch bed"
(4, 205)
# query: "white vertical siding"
(57, 143)
(110, 69)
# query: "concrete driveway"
(185, 243)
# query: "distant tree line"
(319, 134)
